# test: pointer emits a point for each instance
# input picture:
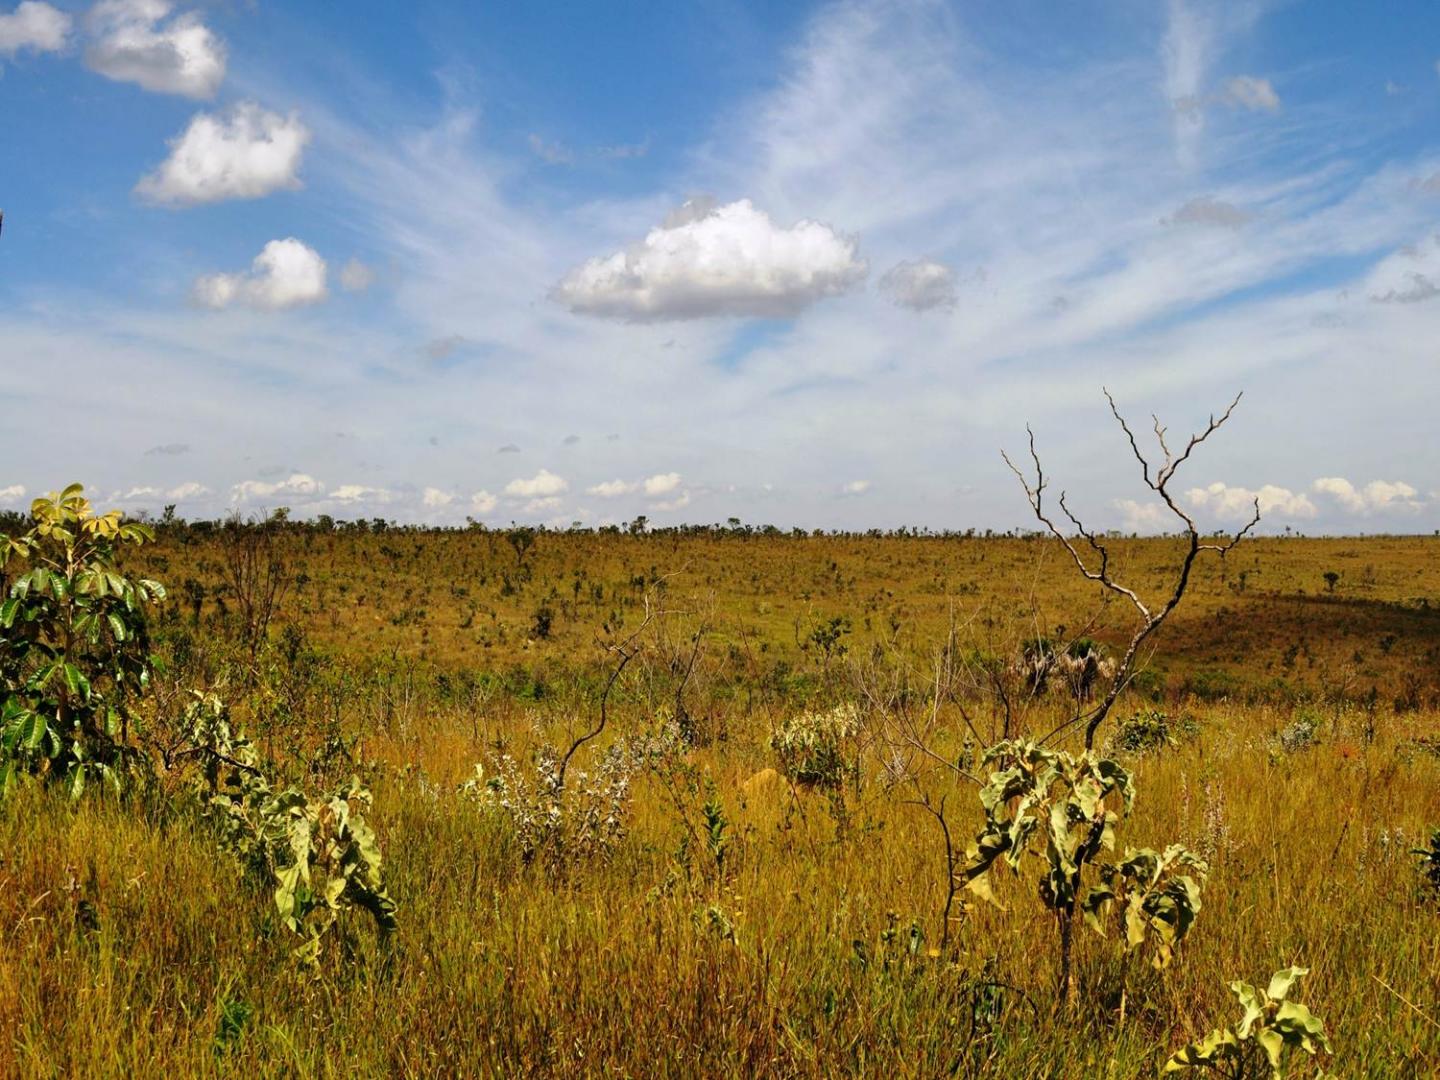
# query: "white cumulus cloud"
(611, 489)
(354, 493)
(190, 490)
(244, 153)
(654, 487)
(1141, 517)
(12, 494)
(435, 499)
(285, 274)
(920, 285)
(542, 485)
(35, 26)
(134, 41)
(708, 260)
(1378, 496)
(855, 487)
(482, 502)
(1237, 503)
(294, 484)
(661, 484)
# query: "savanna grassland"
(744, 871)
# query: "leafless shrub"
(1098, 569)
(256, 575)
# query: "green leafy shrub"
(818, 748)
(1154, 896)
(1062, 804)
(1301, 733)
(1265, 1037)
(320, 853)
(74, 651)
(1149, 730)
(1212, 684)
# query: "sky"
(800, 264)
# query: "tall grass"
(126, 940)
(131, 945)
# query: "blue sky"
(806, 264)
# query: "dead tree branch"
(624, 651)
(1157, 478)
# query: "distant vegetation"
(369, 800)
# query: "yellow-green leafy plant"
(1155, 894)
(819, 749)
(1264, 1039)
(1149, 730)
(1065, 806)
(74, 652)
(319, 852)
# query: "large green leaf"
(1283, 980)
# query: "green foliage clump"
(1153, 895)
(1270, 1030)
(319, 852)
(818, 748)
(1301, 733)
(1149, 730)
(1063, 804)
(827, 635)
(74, 653)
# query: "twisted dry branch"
(1158, 479)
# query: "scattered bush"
(560, 825)
(818, 748)
(1148, 730)
(1423, 744)
(1212, 684)
(1301, 733)
(319, 852)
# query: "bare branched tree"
(622, 652)
(1097, 569)
(676, 663)
(256, 573)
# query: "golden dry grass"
(126, 935)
